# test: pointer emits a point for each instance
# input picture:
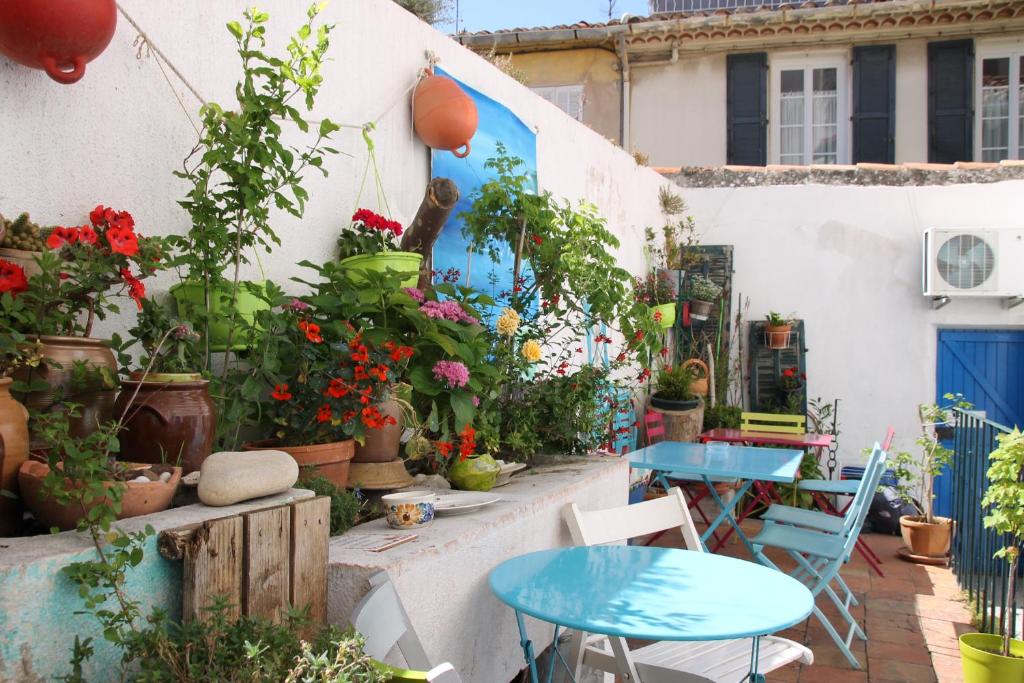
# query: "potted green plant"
(173, 418)
(239, 170)
(80, 275)
(927, 535)
(703, 294)
(990, 658)
(656, 291)
(673, 389)
(369, 245)
(777, 329)
(21, 242)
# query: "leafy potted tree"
(673, 396)
(927, 535)
(239, 170)
(990, 658)
(777, 329)
(656, 291)
(369, 245)
(703, 294)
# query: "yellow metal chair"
(775, 424)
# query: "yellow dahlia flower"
(508, 322)
(531, 351)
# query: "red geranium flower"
(281, 393)
(467, 442)
(61, 236)
(123, 220)
(136, 290)
(444, 448)
(337, 388)
(312, 331)
(12, 278)
(86, 235)
(97, 215)
(324, 414)
(123, 241)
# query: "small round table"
(649, 594)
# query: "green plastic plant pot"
(668, 315)
(982, 664)
(399, 261)
(190, 297)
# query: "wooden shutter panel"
(874, 104)
(950, 101)
(747, 109)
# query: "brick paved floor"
(912, 617)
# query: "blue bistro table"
(649, 594)
(748, 463)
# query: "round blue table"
(649, 594)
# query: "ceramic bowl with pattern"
(409, 509)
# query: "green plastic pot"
(190, 297)
(400, 261)
(668, 315)
(982, 664)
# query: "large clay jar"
(330, 460)
(444, 115)
(58, 36)
(139, 498)
(172, 420)
(95, 399)
(13, 452)
(382, 444)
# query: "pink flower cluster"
(375, 221)
(447, 310)
(416, 294)
(451, 372)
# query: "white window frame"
(571, 92)
(1004, 49)
(808, 61)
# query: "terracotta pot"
(58, 36)
(444, 115)
(173, 420)
(330, 460)
(699, 386)
(138, 499)
(926, 540)
(13, 452)
(20, 257)
(96, 400)
(777, 336)
(382, 444)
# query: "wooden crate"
(262, 563)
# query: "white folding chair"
(725, 661)
(383, 622)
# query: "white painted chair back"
(599, 527)
(383, 622)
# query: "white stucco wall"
(847, 260)
(116, 136)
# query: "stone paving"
(913, 617)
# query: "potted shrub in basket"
(703, 294)
(657, 292)
(369, 245)
(988, 658)
(777, 329)
(927, 535)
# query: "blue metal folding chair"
(819, 555)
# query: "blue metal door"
(987, 367)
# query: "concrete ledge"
(442, 575)
(38, 623)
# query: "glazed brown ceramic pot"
(139, 498)
(173, 420)
(330, 460)
(382, 444)
(96, 398)
(13, 452)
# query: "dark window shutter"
(874, 104)
(950, 101)
(747, 109)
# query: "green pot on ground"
(668, 315)
(982, 663)
(190, 298)
(399, 261)
(475, 473)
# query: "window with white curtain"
(1000, 122)
(810, 121)
(568, 98)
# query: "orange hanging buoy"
(444, 115)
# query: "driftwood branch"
(438, 202)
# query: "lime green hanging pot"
(399, 261)
(190, 298)
(668, 315)
(982, 664)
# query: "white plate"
(459, 503)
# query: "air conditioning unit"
(974, 263)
